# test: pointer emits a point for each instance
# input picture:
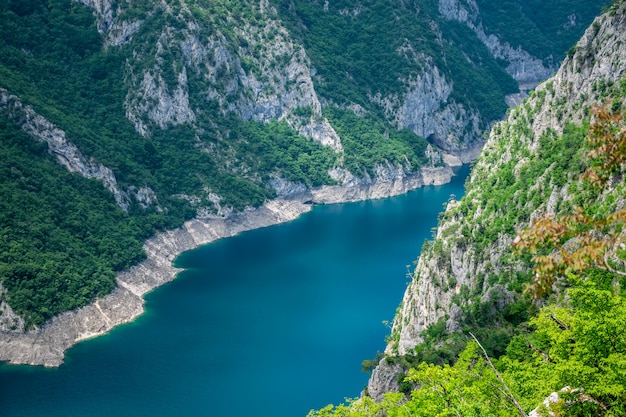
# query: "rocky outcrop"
(598, 60)
(460, 257)
(116, 32)
(388, 181)
(67, 154)
(528, 70)
(103, 11)
(158, 102)
(262, 76)
(427, 109)
(278, 80)
(585, 76)
(8, 319)
(564, 399)
(386, 377)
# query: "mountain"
(134, 130)
(550, 178)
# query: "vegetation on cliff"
(573, 341)
(529, 267)
(536, 25)
(63, 238)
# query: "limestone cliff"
(527, 70)
(427, 109)
(68, 155)
(470, 252)
(184, 57)
(265, 77)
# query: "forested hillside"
(518, 297)
(165, 111)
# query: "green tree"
(580, 341)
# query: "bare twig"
(507, 392)
(561, 325)
(541, 352)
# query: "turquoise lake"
(273, 322)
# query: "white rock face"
(158, 102)
(523, 67)
(68, 155)
(266, 77)
(8, 319)
(427, 109)
(282, 81)
(388, 181)
(599, 55)
(116, 32)
(439, 275)
(317, 129)
(66, 152)
(386, 376)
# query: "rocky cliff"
(188, 109)
(261, 71)
(428, 109)
(276, 79)
(527, 70)
(68, 155)
(468, 263)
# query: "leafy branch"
(582, 240)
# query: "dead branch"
(507, 391)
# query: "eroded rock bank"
(46, 346)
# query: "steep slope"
(467, 279)
(528, 36)
(162, 112)
(431, 66)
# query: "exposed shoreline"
(47, 345)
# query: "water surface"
(273, 322)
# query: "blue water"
(273, 322)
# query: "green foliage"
(368, 365)
(546, 29)
(508, 195)
(279, 149)
(52, 58)
(468, 388)
(365, 48)
(368, 142)
(62, 237)
(590, 235)
(578, 343)
(491, 323)
(56, 64)
(573, 343)
(478, 79)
